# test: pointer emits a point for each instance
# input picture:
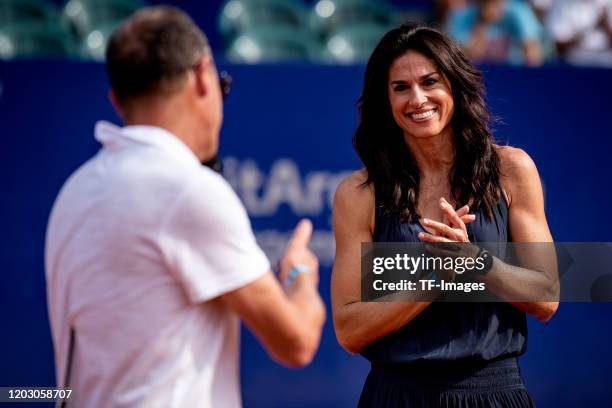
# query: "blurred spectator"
(581, 30)
(498, 31)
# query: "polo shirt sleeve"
(207, 241)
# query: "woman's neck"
(434, 155)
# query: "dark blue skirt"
(470, 384)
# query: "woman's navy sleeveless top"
(452, 331)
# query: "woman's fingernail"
(425, 221)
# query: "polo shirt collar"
(110, 135)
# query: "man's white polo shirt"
(140, 242)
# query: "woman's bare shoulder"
(353, 196)
(514, 160)
(518, 170)
(354, 186)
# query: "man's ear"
(114, 100)
(201, 71)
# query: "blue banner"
(286, 143)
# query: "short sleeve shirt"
(141, 242)
(517, 25)
(580, 21)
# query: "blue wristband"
(293, 273)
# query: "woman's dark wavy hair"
(379, 141)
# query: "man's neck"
(173, 119)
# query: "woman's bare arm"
(357, 323)
(527, 223)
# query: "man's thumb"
(301, 234)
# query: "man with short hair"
(150, 257)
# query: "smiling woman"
(420, 97)
(429, 160)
